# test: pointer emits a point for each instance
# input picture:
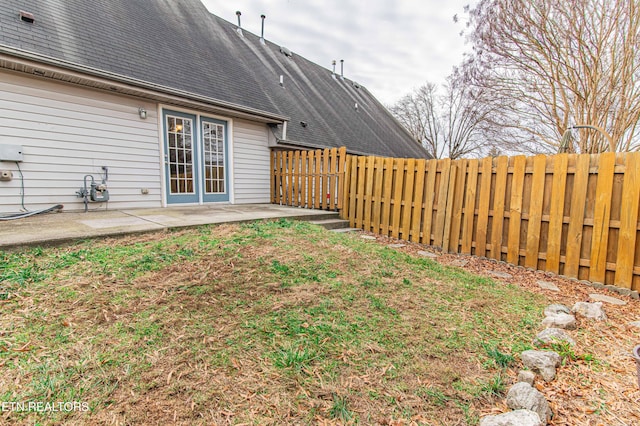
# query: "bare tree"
(448, 124)
(553, 64)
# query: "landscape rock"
(590, 310)
(556, 309)
(367, 237)
(542, 362)
(396, 245)
(553, 335)
(547, 285)
(607, 299)
(459, 262)
(560, 320)
(526, 376)
(524, 396)
(499, 274)
(623, 291)
(427, 254)
(635, 324)
(513, 418)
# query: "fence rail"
(574, 215)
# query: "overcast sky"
(391, 47)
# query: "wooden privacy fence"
(574, 215)
(311, 179)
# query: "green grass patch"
(265, 322)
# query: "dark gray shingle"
(179, 44)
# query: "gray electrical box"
(10, 152)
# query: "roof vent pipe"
(239, 29)
(262, 33)
(342, 69)
(333, 73)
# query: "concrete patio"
(55, 228)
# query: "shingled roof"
(179, 44)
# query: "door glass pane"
(180, 155)
(213, 153)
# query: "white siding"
(251, 162)
(68, 132)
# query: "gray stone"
(590, 310)
(556, 309)
(526, 376)
(541, 362)
(597, 285)
(547, 285)
(524, 396)
(513, 418)
(367, 237)
(459, 262)
(427, 254)
(499, 274)
(635, 294)
(607, 299)
(553, 335)
(623, 291)
(560, 320)
(396, 245)
(635, 324)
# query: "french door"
(195, 163)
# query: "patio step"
(332, 224)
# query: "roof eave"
(35, 59)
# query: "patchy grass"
(265, 323)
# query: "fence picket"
(417, 201)
(576, 216)
(556, 214)
(515, 209)
(601, 217)
(387, 194)
(398, 181)
(377, 193)
(353, 191)
(458, 198)
(448, 215)
(362, 161)
(368, 194)
(628, 222)
(438, 231)
(499, 191)
(535, 211)
(430, 193)
(483, 207)
(340, 179)
(469, 207)
(407, 198)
